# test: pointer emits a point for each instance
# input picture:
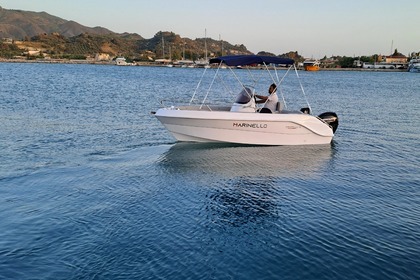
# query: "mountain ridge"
(45, 35)
(18, 24)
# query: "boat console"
(245, 101)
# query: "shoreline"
(150, 64)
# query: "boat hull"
(245, 128)
(414, 65)
(311, 65)
(414, 69)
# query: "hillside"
(19, 25)
(41, 35)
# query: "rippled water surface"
(93, 187)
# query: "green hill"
(39, 34)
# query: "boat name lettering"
(251, 125)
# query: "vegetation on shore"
(164, 45)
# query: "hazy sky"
(314, 28)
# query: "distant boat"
(414, 65)
(184, 62)
(380, 65)
(204, 62)
(122, 62)
(311, 65)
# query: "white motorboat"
(243, 122)
(414, 65)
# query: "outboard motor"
(330, 118)
(245, 101)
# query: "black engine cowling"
(330, 118)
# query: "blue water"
(93, 187)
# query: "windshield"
(244, 96)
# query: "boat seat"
(279, 106)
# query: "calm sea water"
(93, 187)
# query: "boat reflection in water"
(225, 160)
(246, 185)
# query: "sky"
(314, 28)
